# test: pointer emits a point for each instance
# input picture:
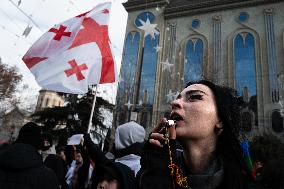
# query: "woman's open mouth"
(175, 116)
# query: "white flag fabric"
(74, 54)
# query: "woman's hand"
(158, 137)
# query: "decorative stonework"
(185, 8)
(170, 53)
(217, 47)
(172, 40)
(271, 54)
(217, 18)
(268, 11)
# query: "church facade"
(235, 43)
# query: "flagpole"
(94, 92)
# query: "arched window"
(193, 69)
(277, 121)
(245, 69)
(128, 67)
(148, 71)
(149, 59)
(244, 59)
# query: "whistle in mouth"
(171, 122)
(168, 124)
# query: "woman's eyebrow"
(178, 96)
(194, 91)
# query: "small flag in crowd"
(74, 54)
(246, 154)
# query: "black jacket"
(21, 166)
(155, 173)
(125, 175)
(59, 167)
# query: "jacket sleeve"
(154, 172)
(95, 153)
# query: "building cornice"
(134, 5)
(180, 8)
(174, 10)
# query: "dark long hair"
(228, 146)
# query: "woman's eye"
(195, 97)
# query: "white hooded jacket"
(126, 135)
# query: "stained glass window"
(144, 16)
(149, 61)
(245, 74)
(128, 67)
(148, 71)
(193, 68)
(244, 57)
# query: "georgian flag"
(74, 54)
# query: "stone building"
(231, 42)
(49, 99)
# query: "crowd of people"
(199, 149)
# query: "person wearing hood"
(129, 141)
(21, 165)
(108, 174)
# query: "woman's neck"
(199, 155)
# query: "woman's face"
(195, 113)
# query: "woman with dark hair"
(206, 125)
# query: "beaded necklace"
(175, 171)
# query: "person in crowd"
(84, 172)
(108, 174)
(21, 165)
(79, 173)
(72, 173)
(206, 124)
(53, 161)
(128, 142)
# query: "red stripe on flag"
(107, 72)
(93, 32)
(30, 62)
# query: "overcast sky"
(46, 13)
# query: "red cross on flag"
(74, 54)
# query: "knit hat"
(128, 134)
(30, 133)
(114, 170)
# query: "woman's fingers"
(155, 142)
(156, 139)
(158, 136)
(160, 126)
